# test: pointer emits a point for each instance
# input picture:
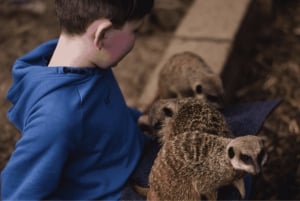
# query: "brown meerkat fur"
(194, 164)
(182, 123)
(187, 75)
(169, 117)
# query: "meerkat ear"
(198, 89)
(102, 27)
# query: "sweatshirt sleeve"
(34, 169)
(135, 113)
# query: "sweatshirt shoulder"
(59, 113)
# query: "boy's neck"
(72, 51)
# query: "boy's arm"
(35, 167)
(135, 113)
(144, 126)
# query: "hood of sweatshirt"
(33, 79)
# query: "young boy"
(79, 139)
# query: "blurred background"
(264, 62)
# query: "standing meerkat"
(196, 164)
(188, 75)
(199, 154)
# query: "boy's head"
(76, 15)
(105, 30)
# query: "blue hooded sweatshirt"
(79, 139)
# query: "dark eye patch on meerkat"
(168, 112)
(246, 159)
(199, 89)
(157, 125)
(231, 152)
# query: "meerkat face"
(160, 114)
(210, 89)
(186, 74)
(247, 153)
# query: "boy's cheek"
(121, 48)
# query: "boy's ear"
(102, 26)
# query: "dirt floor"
(266, 58)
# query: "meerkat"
(196, 164)
(189, 128)
(187, 75)
(169, 117)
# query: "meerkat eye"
(231, 152)
(245, 158)
(199, 89)
(260, 156)
(168, 112)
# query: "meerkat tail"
(141, 190)
(240, 185)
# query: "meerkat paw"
(141, 190)
(240, 185)
(212, 196)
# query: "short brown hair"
(76, 15)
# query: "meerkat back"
(172, 116)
